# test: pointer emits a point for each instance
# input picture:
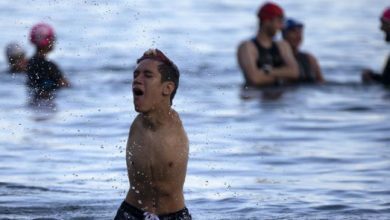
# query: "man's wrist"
(267, 69)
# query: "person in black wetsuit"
(43, 76)
(263, 61)
(369, 75)
(309, 69)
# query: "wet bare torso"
(157, 163)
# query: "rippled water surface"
(316, 152)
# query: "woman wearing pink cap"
(44, 77)
(371, 76)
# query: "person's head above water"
(293, 33)
(271, 18)
(385, 23)
(16, 57)
(43, 37)
(156, 79)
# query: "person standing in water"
(309, 69)
(264, 61)
(43, 76)
(371, 76)
(16, 57)
(157, 147)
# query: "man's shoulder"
(53, 66)
(137, 120)
(177, 128)
(136, 124)
(246, 43)
(36, 62)
(310, 56)
(246, 47)
(176, 120)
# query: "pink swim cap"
(386, 15)
(42, 35)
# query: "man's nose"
(137, 79)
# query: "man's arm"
(316, 69)
(63, 82)
(247, 61)
(370, 76)
(59, 76)
(290, 70)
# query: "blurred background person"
(369, 75)
(44, 77)
(309, 69)
(264, 61)
(16, 57)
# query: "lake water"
(316, 152)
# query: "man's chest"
(146, 151)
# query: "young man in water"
(43, 76)
(16, 57)
(263, 60)
(309, 69)
(157, 146)
(369, 75)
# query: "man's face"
(18, 62)
(294, 37)
(147, 86)
(274, 25)
(385, 27)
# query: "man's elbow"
(64, 83)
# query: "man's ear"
(168, 88)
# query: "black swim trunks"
(129, 212)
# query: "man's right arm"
(370, 76)
(291, 69)
(247, 61)
(59, 76)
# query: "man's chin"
(139, 109)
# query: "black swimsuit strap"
(254, 40)
(273, 49)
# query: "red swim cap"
(386, 15)
(269, 11)
(42, 35)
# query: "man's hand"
(366, 76)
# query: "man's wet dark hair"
(167, 69)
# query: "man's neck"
(263, 38)
(41, 53)
(294, 50)
(157, 118)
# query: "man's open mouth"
(138, 92)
